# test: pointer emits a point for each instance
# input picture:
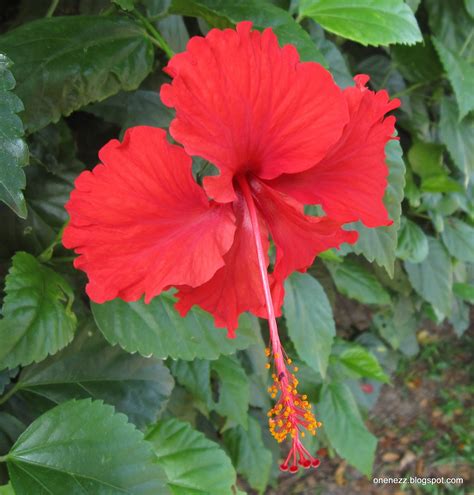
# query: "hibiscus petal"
(298, 237)
(140, 223)
(236, 287)
(350, 181)
(245, 104)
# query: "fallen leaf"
(390, 457)
(339, 474)
(407, 459)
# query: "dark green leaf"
(469, 7)
(365, 21)
(412, 242)
(173, 30)
(13, 149)
(195, 376)
(379, 244)
(234, 391)
(458, 136)
(222, 13)
(461, 75)
(158, 329)
(37, 316)
(458, 237)
(249, 454)
(433, 277)
(64, 63)
(344, 427)
(356, 282)
(83, 447)
(362, 363)
(309, 320)
(89, 367)
(193, 464)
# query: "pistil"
(291, 414)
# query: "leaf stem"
(48, 252)
(9, 394)
(52, 8)
(155, 35)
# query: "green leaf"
(193, 464)
(222, 13)
(83, 447)
(6, 490)
(412, 242)
(13, 149)
(128, 5)
(37, 316)
(234, 390)
(130, 109)
(458, 136)
(309, 320)
(64, 63)
(344, 427)
(363, 363)
(458, 237)
(368, 22)
(469, 7)
(195, 376)
(156, 328)
(426, 159)
(464, 291)
(249, 454)
(432, 279)
(173, 29)
(89, 367)
(460, 73)
(441, 183)
(460, 317)
(379, 244)
(356, 282)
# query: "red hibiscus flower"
(282, 135)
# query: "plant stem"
(155, 35)
(52, 8)
(48, 252)
(11, 392)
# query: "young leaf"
(359, 360)
(458, 237)
(234, 390)
(192, 463)
(13, 149)
(309, 320)
(432, 279)
(412, 242)
(379, 244)
(344, 427)
(464, 291)
(457, 136)
(83, 447)
(6, 490)
(354, 281)
(37, 316)
(90, 367)
(263, 14)
(365, 21)
(249, 454)
(64, 63)
(461, 75)
(156, 328)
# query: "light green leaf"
(356, 282)
(426, 159)
(464, 291)
(13, 149)
(344, 427)
(441, 183)
(458, 237)
(193, 464)
(379, 244)
(89, 367)
(37, 316)
(128, 5)
(222, 13)
(64, 63)
(469, 7)
(234, 390)
(369, 22)
(6, 490)
(249, 454)
(157, 328)
(432, 279)
(412, 242)
(83, 447)
(460, 73)
(460, 316)
(309, 320)
(363, 363)
(458, 136)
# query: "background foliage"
(189, 406)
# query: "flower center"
(292, 412)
